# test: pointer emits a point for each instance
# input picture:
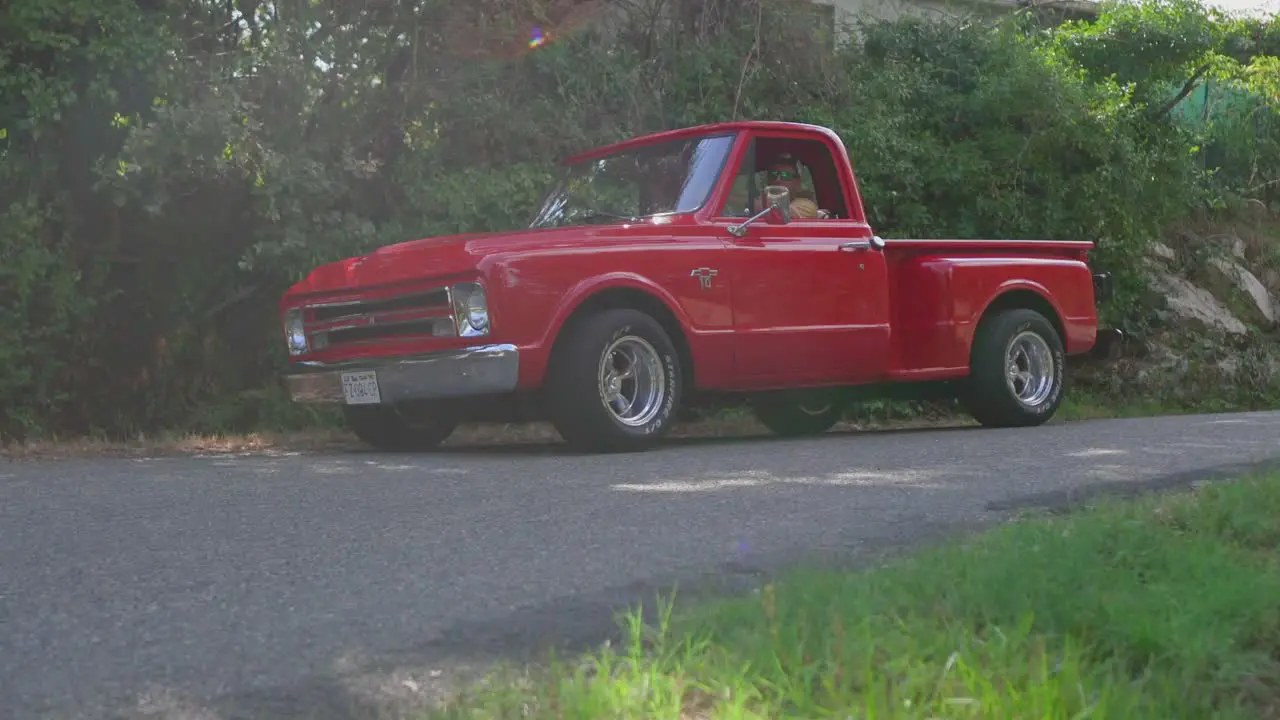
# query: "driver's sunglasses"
(783, 175)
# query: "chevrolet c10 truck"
(723, 263)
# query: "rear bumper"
(1103, 286)
(1109, 339)
(478, 370)
(1107, 344)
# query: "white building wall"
(606, 13)
(848, 10)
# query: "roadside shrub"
(179, 192)
(975, 132)
(1239, 122)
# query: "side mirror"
(779, 201)
(777, 210)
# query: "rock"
(1250, 284)
(1163, 251)
(1229, 365)
(1189, 301)
(1163, 362)
(1238, 247)
(1256, 209)
(1272, 279)
(1262, 370)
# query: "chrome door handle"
(875, 242)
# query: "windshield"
(670, 177)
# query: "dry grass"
(732, 423)
(338, 440)
(178, 444)
(729, 424)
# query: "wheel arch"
(630, 296)
(1021, 297)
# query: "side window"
(745, 188)
(805, 167)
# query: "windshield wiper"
(597, 215)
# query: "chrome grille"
(411, 316)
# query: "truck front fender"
(618, 289)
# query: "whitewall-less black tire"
(1017, 373)
(615, 382)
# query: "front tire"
(796, 414)
(615, 382)
(387, 429)
(1017, 373)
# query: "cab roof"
(699, 130)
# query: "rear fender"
(1077, 337)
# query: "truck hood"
(417, 260)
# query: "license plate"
(361, 388)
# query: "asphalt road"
(294, 585)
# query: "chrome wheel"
(815, 411)
(1029, 369)
(633, 385)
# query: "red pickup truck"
(725, 262)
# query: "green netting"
(1215, 102)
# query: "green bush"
(168, 177)
(1239, 123)
(974, 132)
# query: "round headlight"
(478, 310)
(295, 335)
(470, 309)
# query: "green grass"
(1091, 406)
(1163, 608)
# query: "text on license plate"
(361, 388)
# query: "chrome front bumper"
(479, 370)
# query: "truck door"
(810, 298)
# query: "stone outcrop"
(1234, 272)
(1188, 301)
(1220, 285)
(1225, 272)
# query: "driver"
(784, 170)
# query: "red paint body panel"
(786, 307)
(803, 311)
(940, 289)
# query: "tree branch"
(1187, 87)
(237, 297)
(746, 61)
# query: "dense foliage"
(168, 167)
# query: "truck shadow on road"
(1066, 501)
(558, 448)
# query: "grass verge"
(1159, 608)
(733, 422)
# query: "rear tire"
(1017, 370)
(387, 429)
(796, 414)
(615, 382)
